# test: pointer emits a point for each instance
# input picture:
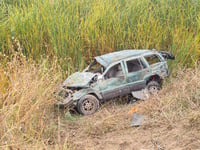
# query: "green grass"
(75, 31)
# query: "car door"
(136, 70)
(113, 83)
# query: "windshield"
(95, 67)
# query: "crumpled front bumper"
(64, 98)
(67, 103)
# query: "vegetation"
(40, 39)
(27, 116)
(75, 31)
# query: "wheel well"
(154, 78)
(95, 95)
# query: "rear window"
(152, 59)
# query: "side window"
(134, 65)
(152, 59)
(114, 72)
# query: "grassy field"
(75, 31)
(41, 39)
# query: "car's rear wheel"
(153, 87)
(88, 105)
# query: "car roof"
(109, 58)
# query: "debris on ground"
(133, 109)
(137, 120)
(142, 94)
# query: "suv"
(111, 75)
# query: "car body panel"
(79, 79)
(160, 68)
(136, 80)
(110, 58)
(112, 87)
(80, 93)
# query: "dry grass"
(179, 99)
(27, 115)
(29, 120)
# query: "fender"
(77, 95)
(147, 78)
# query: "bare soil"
(110, 129)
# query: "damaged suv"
(111, 75)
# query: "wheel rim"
(88, 106)
(154, 89)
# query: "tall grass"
(75, 31)
(27, 115)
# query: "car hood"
(79, 79)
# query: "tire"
(88, 105)
(153, 87)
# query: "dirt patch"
(110, 129)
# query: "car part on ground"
(142, 94)
(112, 75)
(137, 119)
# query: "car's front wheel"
(88, 105)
